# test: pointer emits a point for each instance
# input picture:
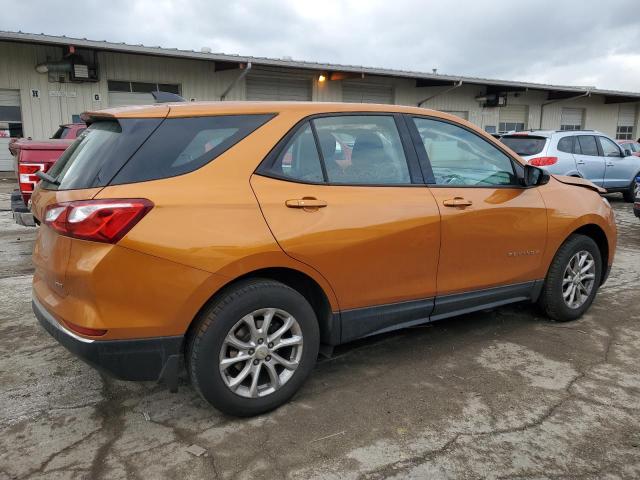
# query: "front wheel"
(573, 279)
(253, 348)
(631, 193)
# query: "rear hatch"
(82, 171)
(528, 146)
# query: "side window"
(588, 145)
(362, 149)
(460, 157)
(609, 148)
(299, 159)
(566, 144)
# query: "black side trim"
(460, 303)
(361, 322)
(139, 359)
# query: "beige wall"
(199, 80)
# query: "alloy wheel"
(261, 352)
(578, 279)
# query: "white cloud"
(568, 42)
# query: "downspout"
(235, 82)
(585, 94)
(458, 84)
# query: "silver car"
(579, 153)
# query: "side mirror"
(627, 153)
(534, 176)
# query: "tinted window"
(460, 157)
(300, 160)
(609, 148)
(181, 145)
(524, 145)
(566, 144)
(135, 150)
(588, 145)
(362, 149)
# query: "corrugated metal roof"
(288, 63)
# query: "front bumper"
(21, 213)
(138, 359)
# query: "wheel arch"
(598, 235)
(303, 283)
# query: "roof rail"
(579, 130)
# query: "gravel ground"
(496, 394)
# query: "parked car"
(579, 153)
(70, 131)
(632, 146)
(235, 238)
(636, 203)
(32, 156)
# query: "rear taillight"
(104, 221)
(27, 177)
(543, 161)
(94, 332)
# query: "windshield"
(524, 145)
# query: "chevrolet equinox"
(238, 239)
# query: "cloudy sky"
(585, 42)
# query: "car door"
(493, 230)
(589, 161)
(619, 169)
(344, 195)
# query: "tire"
(228, 321)
(629, 195)
(552, 301)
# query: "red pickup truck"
(32, 156)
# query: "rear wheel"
(573, 279)
(253, 348)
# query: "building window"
(570, 127)
(624, 132)
(571, 119)
(142, 87)
(505, 127)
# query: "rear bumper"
(21, 213)
(139, 359)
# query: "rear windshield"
(524, 145)
(136, 150)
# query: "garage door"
(458, 113)
(268, 88)
(357, 92)
(120, 99)
(571, 118)
(10, 125)
(513, 118)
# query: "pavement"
(497, 394)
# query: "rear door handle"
(457, 202)
(609, 164)
(580, 162)
(305, 203)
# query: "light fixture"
(322, 77)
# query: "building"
(74, 75)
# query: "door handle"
(305, 203)
(457, 202)
(609, 164)
(580, 162)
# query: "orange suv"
(239, 239)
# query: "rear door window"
(566, 144)
(524, 145)
(588, 145)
